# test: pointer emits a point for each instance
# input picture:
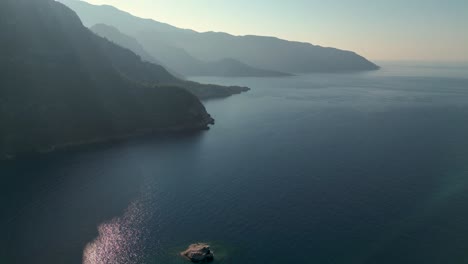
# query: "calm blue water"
(326, 168)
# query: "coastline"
(199, 126)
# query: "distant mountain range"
(192, 53)
(114, 35)
(184, 63)
(61, 85)
(132, 67)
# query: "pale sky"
(425, 30)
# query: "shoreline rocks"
(199, 252)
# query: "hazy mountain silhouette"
(259, 52)
(60, 84)
(233, 67)
(179, 59)
(114, 35)
(183, 62)
(132, 67)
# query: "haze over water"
(323, 168)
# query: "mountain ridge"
(184, 63)
(62, 85)
(270, 53)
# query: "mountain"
(188, 65)
(122, 51)
(130, 65)
(236, 68)
(62, 85)
(114, 35)
(179, 59)
(256, 51)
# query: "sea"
(352, 168)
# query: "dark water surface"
(326, 168)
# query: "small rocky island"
(199, 252)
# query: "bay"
(321, 168)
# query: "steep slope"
(130, 66)
(259, 52)
(188, 65)
(58, 86)
(114, 35)
(179, 59)
(280, 55)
